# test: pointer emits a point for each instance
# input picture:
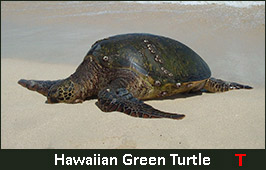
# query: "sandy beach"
(48, 40)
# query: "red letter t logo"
(240, 158)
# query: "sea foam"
(238, 4)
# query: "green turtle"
(124, 70)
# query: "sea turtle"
(124, 70)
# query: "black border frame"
(44, 158)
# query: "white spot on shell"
(164, 93)
(157, 83)
(105, 58)
(189, 85)
(108, 90)
(178, 85)
(146, 41)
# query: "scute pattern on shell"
(161, 58)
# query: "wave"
(238, 4)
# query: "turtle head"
(63, 92)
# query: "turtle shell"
(158, 57)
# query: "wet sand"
(37, 44)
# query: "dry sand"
(234, 119)
(47, 40)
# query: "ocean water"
(229, 36)
(80, 8)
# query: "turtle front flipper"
(217, 85)
(37, 85)
(119, 99)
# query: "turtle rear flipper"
(121, 100)
(218, 85)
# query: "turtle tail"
(217, 85)
(37, 85)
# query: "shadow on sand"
(179, 95)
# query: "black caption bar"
(133, 159)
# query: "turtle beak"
(34, 85)
(41, 87)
